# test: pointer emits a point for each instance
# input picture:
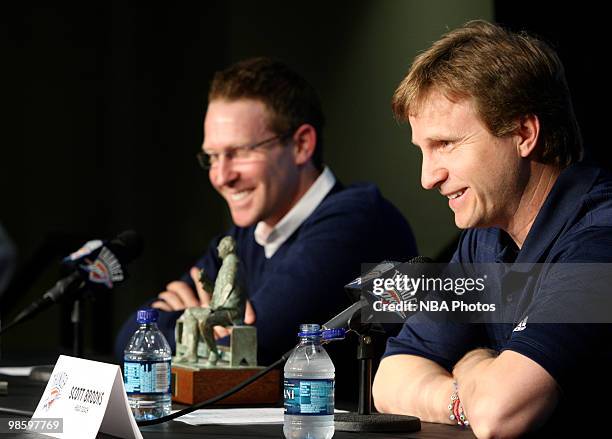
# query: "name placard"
(88, 397)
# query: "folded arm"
(502, 396)
(413, 385)
(506, 395)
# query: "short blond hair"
(508, 75)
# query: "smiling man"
(492, 116)
(300, 233)
(274, 178)
(506, 193)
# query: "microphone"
(96, 265)
(363, 284)
(101, 265)
(343, 319)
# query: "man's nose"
(223, 172)
(433, 173)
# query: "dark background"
(104, 104)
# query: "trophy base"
(191, 385)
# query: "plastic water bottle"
(146, 369)
(309, 388)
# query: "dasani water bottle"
(147, 369)
(309, 388)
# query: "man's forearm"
(506, 395)
(469, 374)
(411, 385)
(470, 369)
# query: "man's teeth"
(239, 195)
(455, 195)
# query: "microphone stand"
(77, 328)
(364, 420)
(43, 373)
(365, 353)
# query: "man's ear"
(304, 143)
(528, 134)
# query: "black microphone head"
(127, 246)
(107, 267)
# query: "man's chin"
(471, 223)
(462, 223)
(242, 220)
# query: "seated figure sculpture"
(226, 306)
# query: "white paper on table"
(17, 371)
(240, 416)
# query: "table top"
(24, 394)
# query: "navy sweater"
(303, 282)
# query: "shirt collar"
(558, 209)
(271, 238)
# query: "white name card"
(89, 397)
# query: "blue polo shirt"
(574, 225)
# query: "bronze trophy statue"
(201, 369)
(226, 309)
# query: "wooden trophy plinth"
(191, 385)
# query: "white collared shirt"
(271, 238)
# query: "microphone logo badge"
(105, 270)
(88, 248)
(397, 296)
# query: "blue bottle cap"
(333, 334)
(147, 315)
(309, 330)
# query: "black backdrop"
(580, 34)
(105, 109)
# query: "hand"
(177, 296)
(249, 319)
(468, 373)
(249, 313)
(472, 361)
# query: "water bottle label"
(309, 397)
(146, 377)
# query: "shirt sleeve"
(167, 320)
(568, 323)
(442, 342)
(209, 261)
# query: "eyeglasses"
(237, 154)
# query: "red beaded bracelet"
(456, 409)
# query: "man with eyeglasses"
(300, 233)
